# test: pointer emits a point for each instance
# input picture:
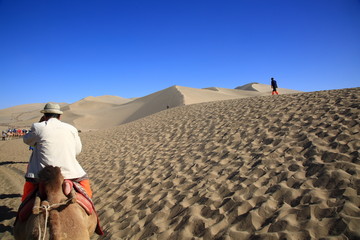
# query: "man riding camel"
(54, 143)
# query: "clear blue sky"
(65, 50)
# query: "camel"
(9, 135)
(59, 216)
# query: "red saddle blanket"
(82, 199)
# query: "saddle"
(70, 189)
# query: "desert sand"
(92, 113)
(258, 167)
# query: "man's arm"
(31, 138)
(78, 144)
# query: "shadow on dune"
(4, 196)
(11, 162)
(5, 214)
(4, 229)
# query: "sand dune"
(22, 115)
(108, 99)
(267, 167)
(264, 88)
(109, 111)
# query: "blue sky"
(63, 51)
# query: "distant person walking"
(274, 87)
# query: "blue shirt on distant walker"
(274, 87)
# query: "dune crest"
(248, 87)
(108, 99)
(108, 111)
(264, 88)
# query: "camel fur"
(66, 218)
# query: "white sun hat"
(52, 108)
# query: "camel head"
(52, 178)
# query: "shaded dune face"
(262, 167)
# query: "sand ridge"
(108, 111)
(268, 167)
(263, 88)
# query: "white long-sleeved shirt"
(55, 143)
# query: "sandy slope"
(273, 167)
(264, 88)
(109, 111)
(108, 99)
(22, 115)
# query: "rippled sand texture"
(263, 167)
(276, 167)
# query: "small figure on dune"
(4, 135)
(274, 87)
